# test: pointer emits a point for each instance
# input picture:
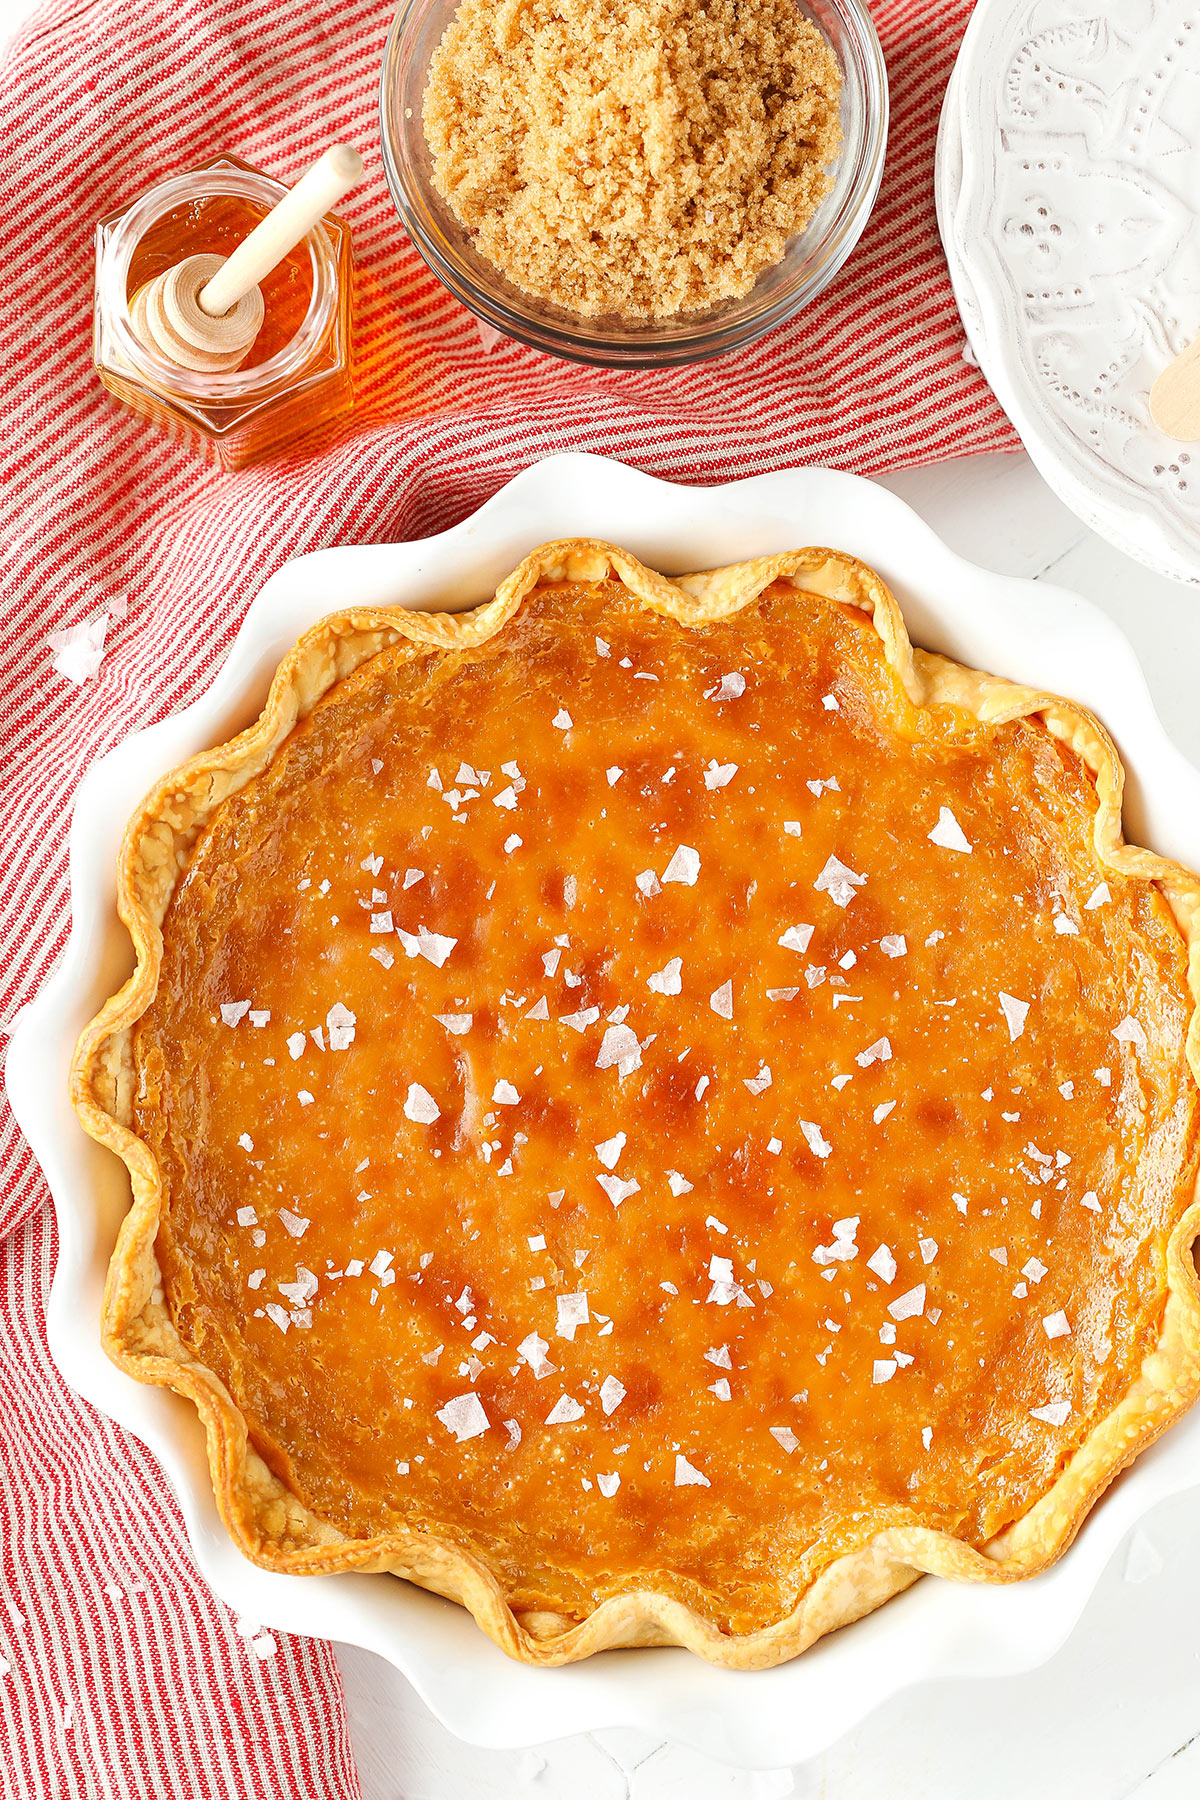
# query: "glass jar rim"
(117, 242)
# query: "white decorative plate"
(1036, 634)
(1068, 184)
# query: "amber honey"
(216, 224)
(297, 377)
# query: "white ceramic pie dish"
(1036, 634)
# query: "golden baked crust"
(264, 1512)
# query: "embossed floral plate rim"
(1118, 508)
(1038, 634)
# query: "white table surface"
(1116, 1714)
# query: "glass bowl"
(810, 262)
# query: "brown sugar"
(644, 160)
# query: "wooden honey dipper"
(205, 313)
(1175, 396)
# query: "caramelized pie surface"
(617, 1080)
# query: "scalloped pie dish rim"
(268, 1522)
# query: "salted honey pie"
(655, 1109)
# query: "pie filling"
(651, 1106)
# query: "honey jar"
(296, 378)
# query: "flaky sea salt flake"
(616, 1189)
(910, 1305)
(843, 1247)
(610, 1150)
(1130, 1032)
(668, 979)
(612, 1392)
(684, 867)
(815, 1139)
(883, 1264)
(619, 1048)
(565, 1411)
(948, 833)
(340, 1023)
(420, 1105)
(434, 947)
(838, 881)
(1015, 1012)
(572, 1312)
(79, 649)
(464, 1417)
(532, 1350)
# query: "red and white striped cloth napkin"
(119, 1674)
